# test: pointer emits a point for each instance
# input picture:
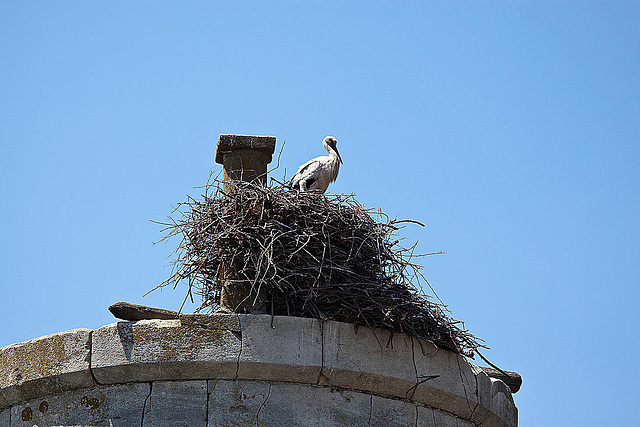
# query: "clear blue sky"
(510, 128)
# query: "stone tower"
(244, 369)
(230, 369)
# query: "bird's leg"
(303, 185)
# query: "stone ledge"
(192, 347)
(290, 350)
(245, 347)
(361, 359)
(47, 365)
(502, 402)
(455, 388)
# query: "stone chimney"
(243, 158)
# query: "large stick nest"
(312, 255)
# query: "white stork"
(318, 173)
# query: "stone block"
(229, 143)
(484, 388)
(445, 419)
(290, 351)
(176, 403)
(429, 417)
(5, 417)
(307, 405)
(286, 404)
(364, 360)
(482, 414)
(46, 365)
(454, 390)
(392, 412)
(426, 417)
(117, 405)
(502, 402)
(4, 403)
(240, 401)
(192, 347)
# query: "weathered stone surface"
(502, 402)
(237, 401)
(426, 417)
(46, 365)
(286, 404)
(176, 403)
(228, 143)
(5, 417)
(117, 405)
(290, 351)
(279, 371)
(444, 419)
(392, 412)
(3, 402)
(307, 405)
(357, 360)
(360, 360)
(429, 417)
(454, 390)
(482, 412)
(484, 387)
(193, 347)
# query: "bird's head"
(331, 144)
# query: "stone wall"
(215, 370)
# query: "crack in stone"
(473, 411)
(415, 370)
(370, 408)
(206, 411)
(262, 405)
(348, 357)
(240, 352)
(464, 388)
(4, 398)
(93, 377)
(413, 357)
(321, 373)
(144, 405)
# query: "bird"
(319, 172)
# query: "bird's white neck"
(332, 153)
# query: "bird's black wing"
(309, 182)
